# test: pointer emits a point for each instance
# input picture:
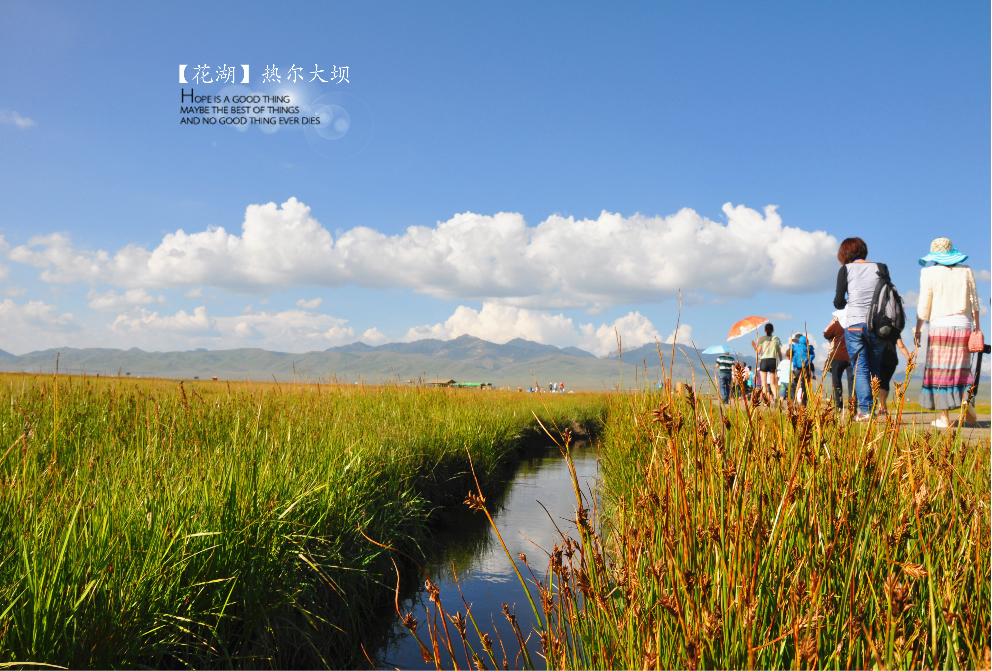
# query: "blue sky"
(867, 119)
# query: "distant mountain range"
(465, 359)
(467, 347)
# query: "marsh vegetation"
(157, 524)
(745, 537)
(148, 523)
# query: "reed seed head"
(475, 502)
(434, 594)
(582, 518)
(807, 649)
(459, 621)
(898, 595)
(739, 374)
(876, 385)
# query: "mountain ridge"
(462, 347)
(467, 359)
(515, 363)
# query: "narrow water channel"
(485, 574)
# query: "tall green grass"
(747, 537)
(144, 523)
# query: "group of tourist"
(783, 370)
(863, 346)
(553, 388)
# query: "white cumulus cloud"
(181, 322)
(561, 262)
(62, 262)
(244, 330)
(111, 301)
(983, 276)
(374, 336)
(634, 330)
(309, 305)
(293, 330)
(500, 323)
(12, 118)
(4, 270)
(33, 326)
(683, 336)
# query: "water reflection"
(485, 574)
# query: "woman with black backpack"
(856, 283)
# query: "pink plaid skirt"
(947, 374)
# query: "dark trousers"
(837, 370)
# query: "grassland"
(770, 540)
(749, 537)
(745, 537)
(144, 523)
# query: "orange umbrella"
(745, 326)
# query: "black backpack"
(886, 316)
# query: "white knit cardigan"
(946, 290)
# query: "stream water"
(467, 548)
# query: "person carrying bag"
(949, 304)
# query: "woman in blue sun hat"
(949, 303)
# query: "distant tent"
(472, 385)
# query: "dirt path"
(921, 421)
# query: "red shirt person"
(840, 362)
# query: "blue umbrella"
(719, 349)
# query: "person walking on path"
(724, 371)
(949, 303)
(801, 357)
(840, 363)
(890, 361)
(784, 373)
(856, 282)
(768, 355)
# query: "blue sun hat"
(944, 253)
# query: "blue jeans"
(723, 383)
(865, 353)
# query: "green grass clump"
(752, 537)
(144, 523)
(746, 537)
